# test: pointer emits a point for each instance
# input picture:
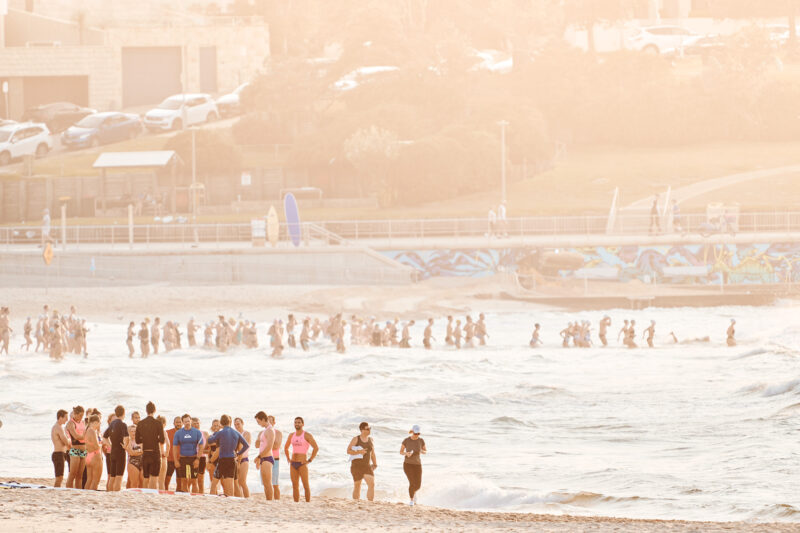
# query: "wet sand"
(75, 510)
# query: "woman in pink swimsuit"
(94, 456)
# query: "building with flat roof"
(121, 54)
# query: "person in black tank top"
(363, 462)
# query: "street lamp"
(503, 124)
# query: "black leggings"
(414, 475)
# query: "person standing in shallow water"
(731, 333)
(412, 449)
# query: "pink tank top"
(299, 443)
(262, 442)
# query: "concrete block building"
(122, 54)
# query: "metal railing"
(341, 232)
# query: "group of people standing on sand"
(578, 334)
(150, 454)
(55, 333)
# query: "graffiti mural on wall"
(728, 263)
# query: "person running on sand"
(228, 440)
(427, 336)
(265, 461)
(650, 332)
(76, 431)
(150, 434)
(60, 445)
(731, 333)
(535, 340)
(299, 460)
(244, 463)
(94, 456)
(605, 322)
(187, 445)
(412, 449)
(362, 452)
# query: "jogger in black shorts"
(412, 449)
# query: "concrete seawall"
(334, 265)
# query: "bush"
(260, 128)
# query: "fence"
(342, 231)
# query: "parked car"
(171, 113)
(17, 140)
(230, 105)
(663, 39)
(57, 116)
(707, 47)
(102, 128)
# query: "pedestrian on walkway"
(654, 216)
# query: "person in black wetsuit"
(362, 462)
(150, 434)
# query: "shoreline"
(38, 510)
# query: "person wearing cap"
(412, 449)
(363, 462)
(731, 332)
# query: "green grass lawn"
(582, 181)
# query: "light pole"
(503, 124)
(194, 175)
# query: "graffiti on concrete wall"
(716, 263)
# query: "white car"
(172, 112)
(17, 140)
(663, 39)
(230, 104)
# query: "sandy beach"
(436, 297)
(73, 510)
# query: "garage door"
(38, 90)
(150, 74)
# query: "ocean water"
(698, 431)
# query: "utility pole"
(503, 124)
(194, 175)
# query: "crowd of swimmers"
(54, 333)
(150, 453)
(578, 334)
(61, 334)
